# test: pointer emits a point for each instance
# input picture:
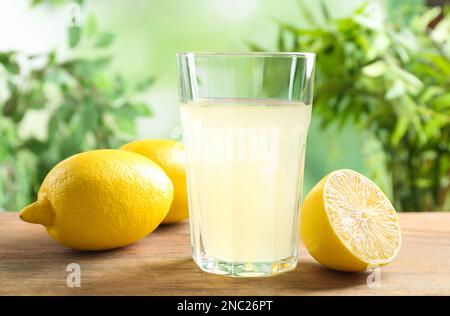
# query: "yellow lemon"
(348, 224)
(101, 199)
(169, 155)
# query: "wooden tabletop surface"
(31, 263)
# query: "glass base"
(246, 269)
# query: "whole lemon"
(170, 156)
(101, 199)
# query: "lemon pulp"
(362, 216)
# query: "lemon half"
(348, 223)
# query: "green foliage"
(391, 79)
(86, 107)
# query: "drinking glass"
(245, 118)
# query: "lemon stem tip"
(39, 212)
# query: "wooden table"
(31, 263)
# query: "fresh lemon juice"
(245, 161)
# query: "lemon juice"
(245, 161)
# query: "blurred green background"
(151, 32)
(147, 34)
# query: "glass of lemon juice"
(245, 119)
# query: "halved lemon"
(348, 223)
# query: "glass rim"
(306, 55)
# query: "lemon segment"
(348, 224)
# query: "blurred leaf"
(427, 17)
(90, 26)
(51, 58)
(89, 117)
(275, 69)
(442, 102)
(126, 125)
(74, 36)
(307, 14)
(410, 79)
(4, 57)
(53, 125)
(36, 99)
(145, 84)
(423, 183)
(12, 67)
(378, 46)
(70, 145)
(142, 109)
(255, 47)
(35, 145)
(441, 31)
(429, 93)
(400, 130)
(104, 39)
(281, 40)
(439, 61)
(325, 12)
(36, 2)
(375, 69)
(396, 90)
(422, 137)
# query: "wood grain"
(31, 263)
